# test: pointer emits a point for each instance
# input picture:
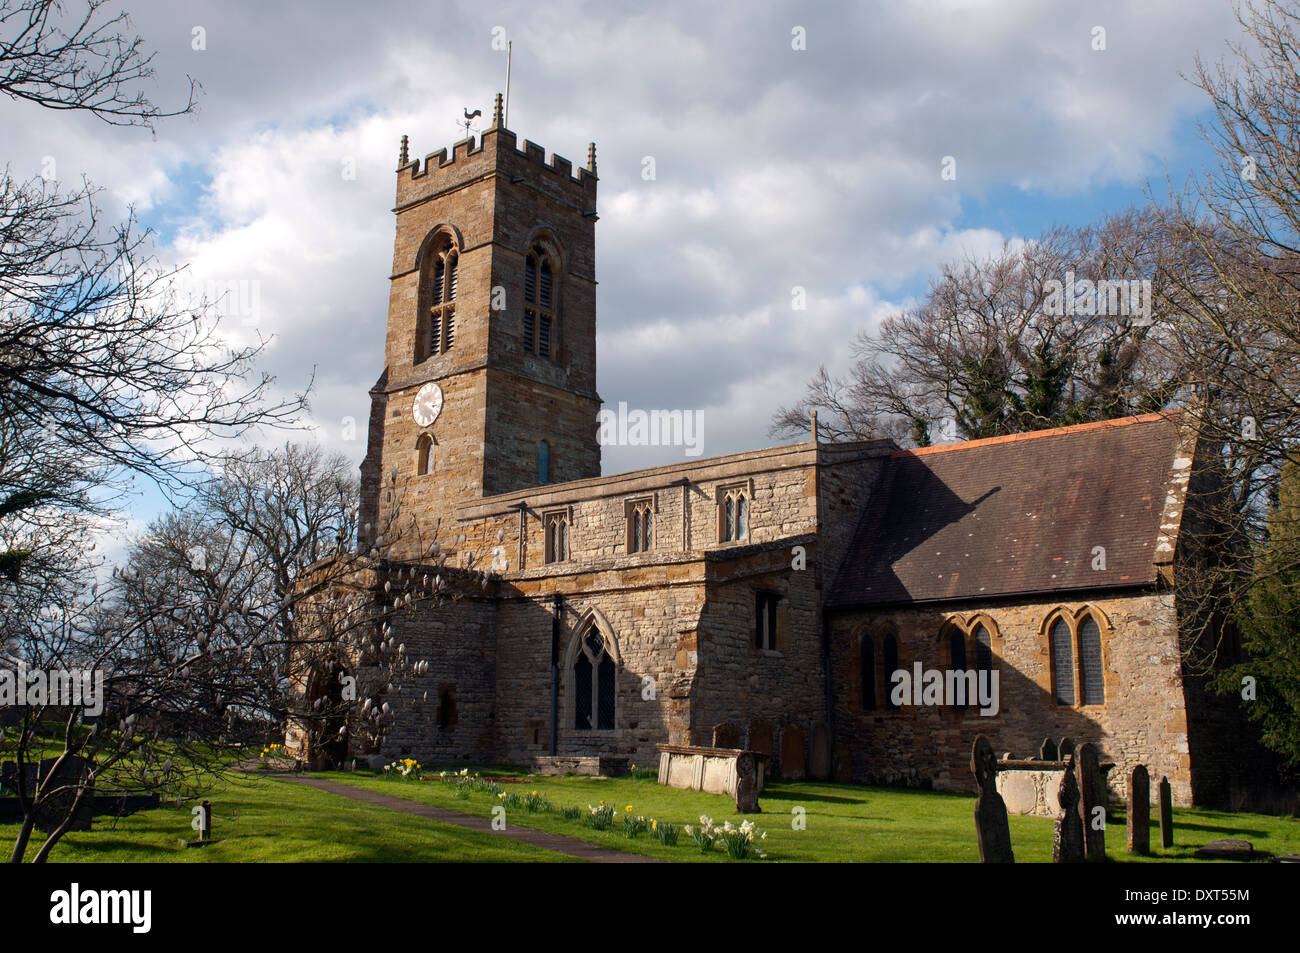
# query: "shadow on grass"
(769, 794)
(1237, 832)
(100, 845)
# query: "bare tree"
(1236, 312)
(63, 56)
(106, 371)
(1004, 345)
(244, 614)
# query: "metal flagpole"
(509, 52)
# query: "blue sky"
(776, 167)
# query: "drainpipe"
(684, 483)
(522, 507)
(826, 673)
(557, 601)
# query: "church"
(761, 599)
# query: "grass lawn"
(843, 822)
(264, 819)
(260, 819)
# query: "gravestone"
(1228, 849)
(1064, 747)
(1067, 836)
(843, 763)
(1166, 814)
(760, 737)
(57, 790)
(792, 753)
(992, 832)
(1092, 797)
(1139, 811)
(819, 752)
(726, 735)
(1048, 751)
(747, 784)
(205, 821)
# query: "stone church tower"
(489, 383)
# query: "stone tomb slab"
(713, 770)
(792, 754)
(1227, 849)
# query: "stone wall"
(741, 684)
(457, 640)
(1143, 719)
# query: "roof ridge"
(1032, 434)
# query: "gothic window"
(557, 536)
(594, 684)
(540, 311)
(983, 649)
(733, 514)
(1094, 691)
(424, 455)
(957, 651)
(765, 619)
(891, 666)
(438, 281)
(543, 462)
(1075, 646)
(867, 672)
(640, 526)
(1061, 643)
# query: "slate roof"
(1014, 515)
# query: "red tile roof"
(1012, 515)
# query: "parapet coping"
(785, 457)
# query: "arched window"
(439, 269)
(1061, 643)
(957, 654)
(543, 462)
(733, 517)
(640, 529)
(957, 649)
(1094, 691)
(539, 303)
(557, 536)
(983, 649)
(867, 672)
(594, 684)
(891, 666)
(1078, 667)
(424, 455)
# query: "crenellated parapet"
(495, 151)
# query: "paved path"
(556, 842)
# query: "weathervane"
(469, 119)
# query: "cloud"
(775, 168)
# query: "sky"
(794, 146)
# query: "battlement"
(495, 150)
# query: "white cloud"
(775, 168)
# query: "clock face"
(428, 404)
